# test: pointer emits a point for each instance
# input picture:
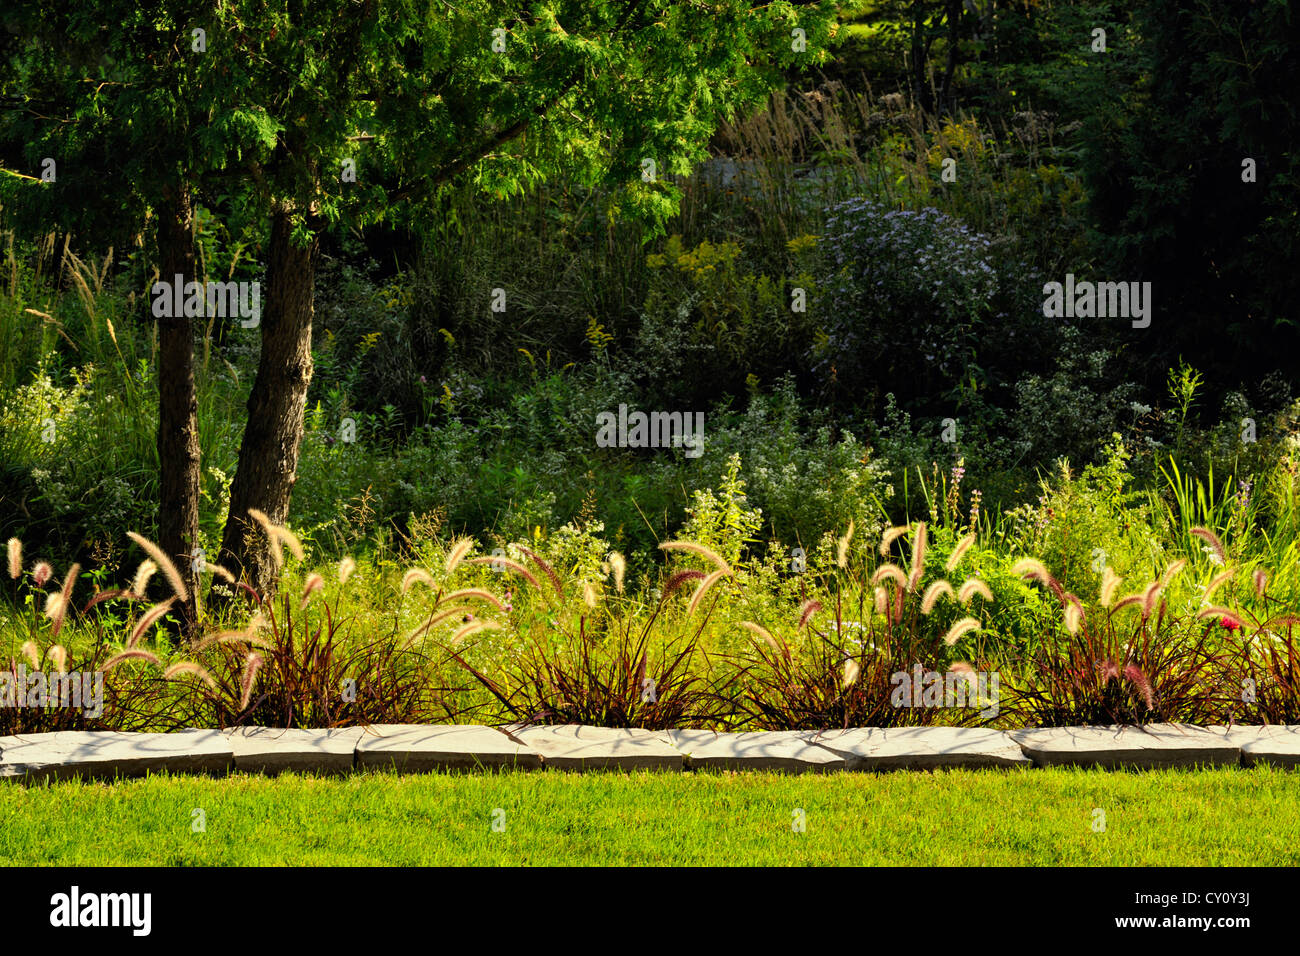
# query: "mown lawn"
(967, 818)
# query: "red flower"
(1229, 623)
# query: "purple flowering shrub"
(910, 295)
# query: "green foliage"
(709, 320)
(723, 520)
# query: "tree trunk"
(268, 454)
(952, 13)
(917, 58)
(178, 426)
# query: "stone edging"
(417, 748)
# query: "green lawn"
(981, 818)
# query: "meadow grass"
(1214, 817)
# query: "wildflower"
(1229, 623)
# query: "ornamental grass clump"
(847, 660)
(1130, 660)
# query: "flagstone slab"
(1150, 746)
(1278, 745)
(1242, 734)
(102, 755)
(576, 747)
(273, 750)
(754, 750)
(923, 748)
(416, 748)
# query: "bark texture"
(268, 453)
(178, 427)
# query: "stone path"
(421, 748)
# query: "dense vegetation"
(850, 288)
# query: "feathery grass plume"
(135, 654)
(1034, 570)
(842, 547)
(479, 593)
(257, 622)
(545, 568)
(958, 553)
(851, 671)
(678, 578)
(1212, 539)
(1110, 582)
(147, 620)
(232, 637)
(890, 536)
(165, 563)
(810, 607)
(1218, 581)
(143, 573)
(313, 584)
(102, 596)
(918, 556)
(964, 626)
(971, 587)
(1073, 616)
(1172, 571)
(1222, 614)
(967, 672)
(762, 632)
(1129, 600)
(890, 572)
(41, 573)
(53, 604)
(703, 589)
(65, 599)
(414, 575)
(222, 573)
(588, 595)
(346, 567)
(59, 657)
(618, 564)
(189, 667)
(278, 536)
(473, 628)
(15, 558)
(459, 548)
(932, 594)
(32, 653)
(514, 566)
(287, 537)
(1139, 680)
(881, 600)
(1149, 597)
(697, 549)
(1261, 581)
(252, 664)
(434, 620)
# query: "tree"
(333, 113)
(423, 94)
(1176, 199)
(110, 96)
